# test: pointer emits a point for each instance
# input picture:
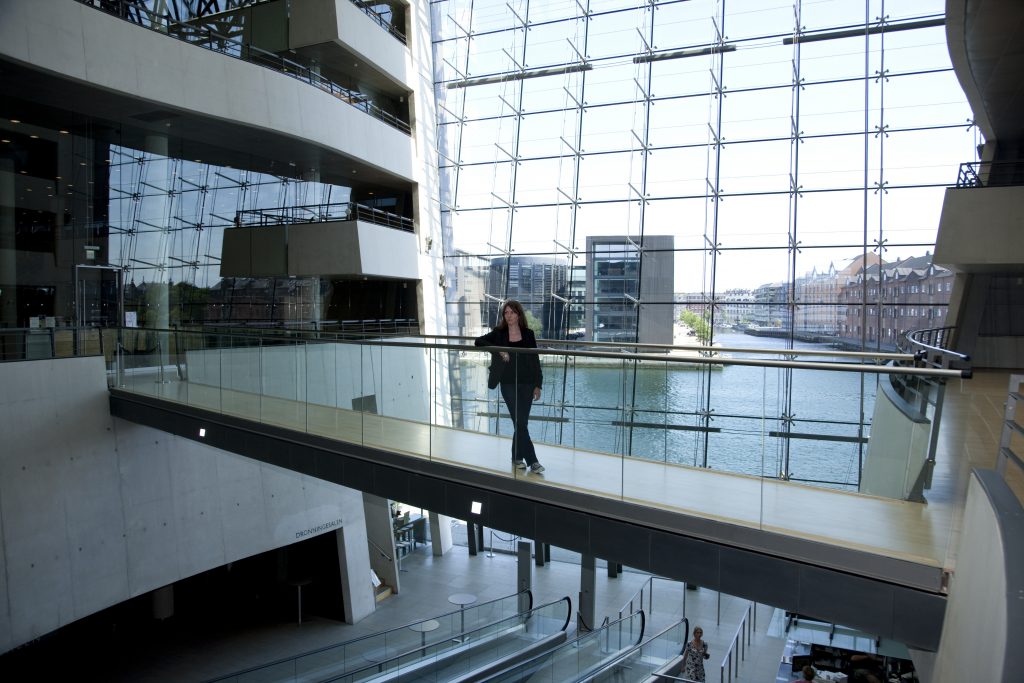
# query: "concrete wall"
(342, 248)
(980, 228)
(351, 248)
(339, 21)
(80, 43)
(95, 510)
(984, 602)
(896, 451)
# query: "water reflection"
(732, 414)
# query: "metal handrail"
(743, 629)
(140, 15)
(1002, 173)
(381, 21)
(875, 355)
(322, 213)
(397, 629)
(465, 635)
(641, 357)
(1012, 424)
(927, 342)
(380, 550)
(638, 596)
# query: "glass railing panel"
(282, 385)
(322, 389)
(831, 415)
(236, 360)
(199, 370)
(477, 646)
(570, 661)
(143, 369)
(643, 661)
(399, 392)
(372, 654)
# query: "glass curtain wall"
(793, 154)
(167, 218)
(87, 209)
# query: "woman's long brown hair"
(518, 308)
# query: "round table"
(425, 627)
(462, 599)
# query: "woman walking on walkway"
(519, 376)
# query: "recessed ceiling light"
(64, 132)
(34, 137)
(15, 121)
(5, 140)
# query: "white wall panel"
(95, 510)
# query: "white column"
(588, 585)
(354, 560)
(440, 534)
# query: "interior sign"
(318, 529)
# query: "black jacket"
(524, 367)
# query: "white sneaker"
(519, 465)
(536, 468)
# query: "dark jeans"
(519, 400)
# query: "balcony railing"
(991, 173)
(381, 21)
(322, 213)
(203, 37)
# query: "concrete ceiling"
(986, 44)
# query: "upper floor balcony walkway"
(412, 419)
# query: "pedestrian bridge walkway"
(389, 403)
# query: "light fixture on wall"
(442, 281)
(429, 241)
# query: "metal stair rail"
(1011, 426)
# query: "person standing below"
(808, 673)
(694, 654)
(520, 379)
